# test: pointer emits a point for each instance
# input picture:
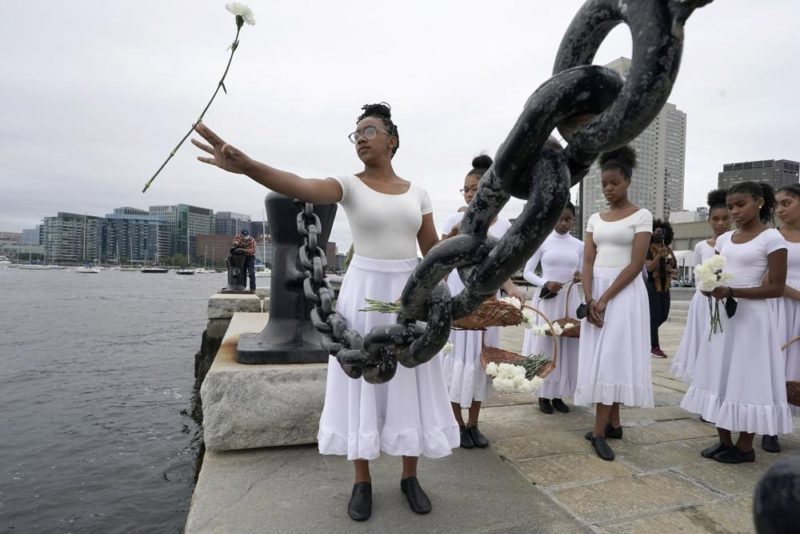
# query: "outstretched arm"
(231, 159)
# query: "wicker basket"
(792, 386)
(491, 312)
(498, 356)
(575, 330)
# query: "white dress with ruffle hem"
(410, 415)
(741, 384)
(614, 361)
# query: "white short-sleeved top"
(703, 251)
(560, 256)
(747, 262)
(614, 240)
(498, 229)
(384, 226)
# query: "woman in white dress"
(614, 356)
(695, 339)
(561, 258)
(740, 385)
(786, 309)
(408, 416)
(467, 382)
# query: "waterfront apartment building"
(658, 178)
(184, 223)
(32, 236)
(775, 172)
(71, 238)
(132, 235)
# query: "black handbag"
(730, 306)
(582, 311)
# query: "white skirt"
(560, 383)
(614, 361)
(694, 343)
(463, 373)
(408, 416)
(786, 313)
(741, 384)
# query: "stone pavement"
(658, 480)
(539, 475)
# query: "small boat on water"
(263, 273)
(185, 271)
(4, 262)
(154, 269)
(34, 267)
(87, 268)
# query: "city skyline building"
(71, 238)
(775, 172)
(229, 223)
(185, 222)
(658, 179)
(133, 235)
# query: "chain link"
(526, 166)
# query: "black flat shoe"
(735, 456)
(770, 444)
(602, 448)
(545, 406)
(478, 439)
(466, 438)
(360, 507)
(710, 452)
(611, 433)
(418, 501)
(559, 405)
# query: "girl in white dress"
(408, 416)
(695, 339)
(561, 258)
(787, 308)
(740, 385)
(467, 382)
(614, 356)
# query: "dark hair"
(382, 111)
(622, 159)
(716, 199)
(669, 234)
(792, 189)
(760, 190)
(570, 206)
(480, 164)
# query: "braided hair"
(382, 111)
(760, 190)
(622, 159)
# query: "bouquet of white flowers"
(708, 276)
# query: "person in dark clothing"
(244, 242)
(661, 266)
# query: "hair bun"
(381, 109)
(624, 154)
(717, 197)
(482, 162)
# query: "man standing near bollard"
(247, 245)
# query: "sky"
(95, 94)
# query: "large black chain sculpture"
(526, 167)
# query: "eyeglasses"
(369, 133)
(473, 189)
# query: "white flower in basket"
(448, 348)
(514, 301)
(510, 378)
(708, 276)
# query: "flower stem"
(221, 84)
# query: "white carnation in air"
(237, 8)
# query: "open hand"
(226, 157)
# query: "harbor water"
(96, 386)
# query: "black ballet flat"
(418, 501)
(545, 406)
(610, 433)
(735, 455)
(478, 438)
(770, 444)
(559, 405)
(466, 438)
(602, 448)
(712, 451)
(360, 506)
